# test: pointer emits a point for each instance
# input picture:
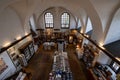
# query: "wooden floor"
(41, 64)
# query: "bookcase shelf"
(27, 49)
(89, 56)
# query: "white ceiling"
(99, 11)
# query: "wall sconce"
(6, 44)
(117, 58)
(18, 38)
(86, 35)
(70, 38)
(48, 31)
(80, 40)
(26, 33)
(81, 31)
(74, 31)
(77, 46)
(101, 45)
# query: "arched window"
(65, 20)
(48, 20)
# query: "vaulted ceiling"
(101, 12)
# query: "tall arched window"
(65, 20)
(48, 20)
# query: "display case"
(90, 56)
(27, 49)
(14, 57)
(31, 48)
(61, 68)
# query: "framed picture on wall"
(3, 66)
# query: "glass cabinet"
(27, 49)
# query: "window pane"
(65, 20)
(67, 25)
(51, 25)
(49, 20)
(47, 25)
(116, 66)
(63, 25)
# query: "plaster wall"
(57, 12)
(79, 24)
(10, 69)
(25, 7)
(21, 9)
(73, 6)
(114, 30)
(104, 9)
(89, 26)
(32, 22)
(11, 27)
(103, 58)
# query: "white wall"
(89, 26)
(33, 6)
(57, 12)
(114, 30)
(10, 26)
(11, 68)
(32, 22)
(104, 9)
(41, 21)
(79, 24)
(29, 38)
(103, 58)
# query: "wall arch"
(57, 11)
(73, 6)
(10, 26)
(72, 13)
(88, 26)
(110, 21)
(12, 8)
(114, 29)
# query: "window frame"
(64, 24)
(113, 68)
(48, 23)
